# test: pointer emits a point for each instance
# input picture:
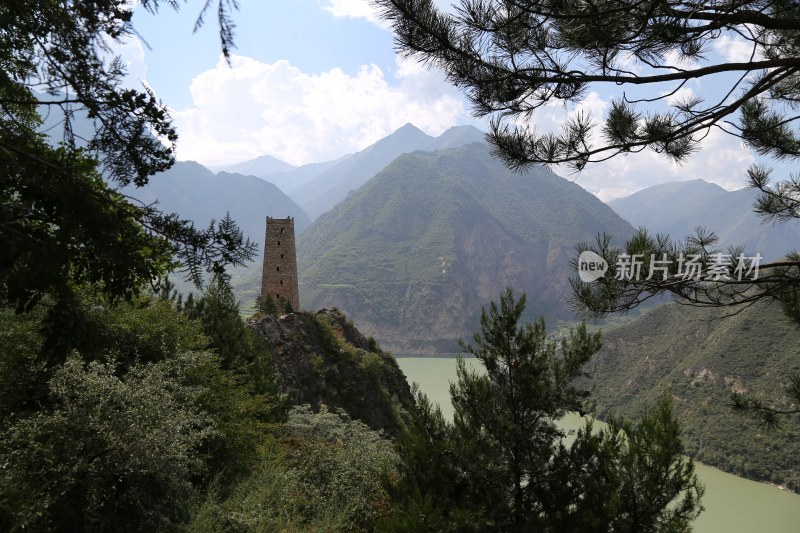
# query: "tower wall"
(279, 274)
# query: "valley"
(434, 228)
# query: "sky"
(312, 80)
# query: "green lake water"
(732, 504)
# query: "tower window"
(279, 243)
(278, 269)
(281, 256)
(281, 282)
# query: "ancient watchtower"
(279, 277)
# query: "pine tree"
(266, 305)
(64, 223)
(507, 417)
(504, 465)
(515, 59)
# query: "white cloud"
(681, 95)
(355, 9)
(722, 159)
(733, 49)
(366, 9)
(254, 108)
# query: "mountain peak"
(463, 128)
(191, 167)
(458, 136)
(435, 235)
(408, 131)
(261, 166)
(408, 127)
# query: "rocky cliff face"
(323, 359)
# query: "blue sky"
(312, 80)
(309, 81)
(301, 31)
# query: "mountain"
(287, 177)
(455, 137)
(292, 180)
(196, 193)
(333, 185)
(260, 166)
(677, 208)
(699, 357)
(414, 253)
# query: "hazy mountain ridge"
(261, 166)
(291, 179)
(414, 254)
(677, 208)
(334, 184)
(196, 193)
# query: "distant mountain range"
(334, 184)
(260, 166)
(287, 177)
(412, 250)
(677, 208)
(317, 187)
(413, 254)
(196, 193)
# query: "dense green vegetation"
(503, 465)
(163, 414)
(414, 253)
(118, 426)
(701, 359)
(323, 472)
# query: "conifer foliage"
(504, 463)
(513, 58)
(63, 222)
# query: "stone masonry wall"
(279, 275)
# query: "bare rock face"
(323, 359)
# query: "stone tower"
(279, 276)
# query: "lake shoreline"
(733, 504)
(601, 419)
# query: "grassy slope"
(700, 358)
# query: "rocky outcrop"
(323, 359)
